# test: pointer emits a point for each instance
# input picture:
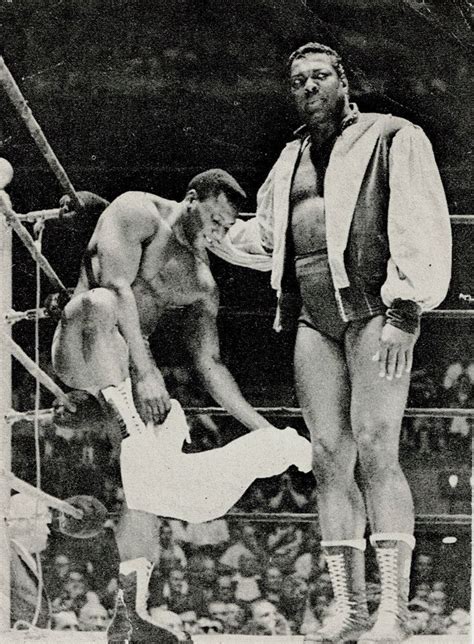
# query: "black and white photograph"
(236, 301)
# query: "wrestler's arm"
(123, 229)
(203, 343)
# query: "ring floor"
(44, 637)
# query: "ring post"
(5, 408)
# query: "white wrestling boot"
(119, 399)
(345, 561)
(393, 551)
(133, 582)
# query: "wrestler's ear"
(192, 195)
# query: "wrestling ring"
(80, 518)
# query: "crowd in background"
(230, 576)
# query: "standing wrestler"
(147, 255)
(354, 211)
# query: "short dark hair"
(318, 48)
(212, 183)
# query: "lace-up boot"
(393, 551)
(346, 565)
(134, 578)
(125, 419)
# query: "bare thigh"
(377, 404)
(322, 385)
(80, 344)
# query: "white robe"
(158, 478)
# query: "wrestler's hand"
(395, 355)
(151, 397)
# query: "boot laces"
(338, 574)
(388, 564)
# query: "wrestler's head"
(318, 84)
(213, 198)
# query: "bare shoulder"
(134, 212)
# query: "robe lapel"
(347, 165)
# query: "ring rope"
(29, 242)
(37, 372)
(19, 102)
(47, 416)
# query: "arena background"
(142, 95)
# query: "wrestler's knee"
(377, 444)
(98, 308)
(330, 460)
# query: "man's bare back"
(170, 275)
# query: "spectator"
(423, 569)
(174, 594)
(225, 589)
(65, 620)
(234, 618)
(210, 626)
(57, 574)
(202, 582)
(293, 601)
(93, 617)
(418, 616)
(28, 534)
(247, 544)
(459, 622)
(217, 610)
(247, 579)
(266, 620)
(170, 553)
(189, 622)
(73, 595)
(271, 584)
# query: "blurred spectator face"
(439, 585)
(93, 617)
(166, 535)
(422, 591)
(273, 579)
(75, 584)
(248, 535)
(176, 581)
(217, 610)
(208, 574)
(248, 565)
(65, 621)
(61, 566)
(423, 565)
(264, 614)
(294, 589)
(225, 588)
(437, 602)
(206, 625)
(189, 622)
(234, 616)
(418, 621)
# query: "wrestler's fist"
(151, 397)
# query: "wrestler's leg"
(322, 386)
(377, 407)
(88, 351)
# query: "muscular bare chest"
(171, 275)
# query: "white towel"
(158, 478)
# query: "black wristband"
(405, 315)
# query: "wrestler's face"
(319, 93)
(217, 216)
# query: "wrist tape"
(404, 314)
